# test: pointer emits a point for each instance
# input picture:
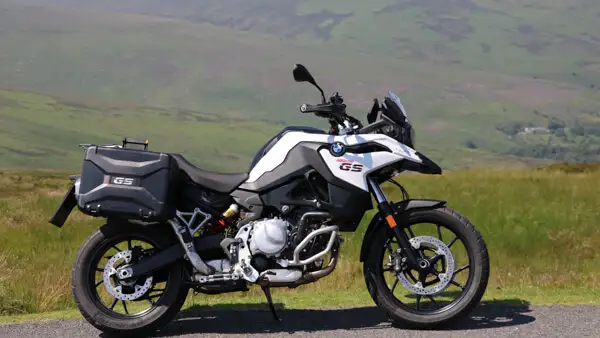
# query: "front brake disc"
(444, 278)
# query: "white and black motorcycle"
(171, 227)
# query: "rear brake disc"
(124, 290)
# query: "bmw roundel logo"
(337, 149)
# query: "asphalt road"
(490, 320)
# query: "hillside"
(233, 60)
(40, 131)
(553, 39)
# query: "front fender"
(402, 208)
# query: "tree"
(554, 124)
(509, 128)
(578, 129)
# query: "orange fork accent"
(391, 221)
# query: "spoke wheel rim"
(417, 308)
(117, 243)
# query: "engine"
(274, 243)
(269, 237)
(276, 252)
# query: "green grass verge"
(540, 228)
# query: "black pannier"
(127, 183)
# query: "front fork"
(397, 222)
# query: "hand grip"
(308, 108)
(317, 108)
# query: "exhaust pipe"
(309, 277)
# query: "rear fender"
(403, 209)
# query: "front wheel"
(451, 286)
(126, 306)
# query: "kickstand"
(267, 292)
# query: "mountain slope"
(463, 116)
(551, 39)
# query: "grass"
(539, 227)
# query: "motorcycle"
(171, 226)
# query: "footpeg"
(267, 292)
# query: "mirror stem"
(322, 94)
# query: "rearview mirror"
(301, 74)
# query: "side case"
(127, 183)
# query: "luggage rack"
(126, 141)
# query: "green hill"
(469, 72)
(40, 131)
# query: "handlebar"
(335, 112)
(317, 108)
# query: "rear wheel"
(131, 306)
(448, 290)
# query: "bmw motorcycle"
(171, 226)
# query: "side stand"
(267, 292)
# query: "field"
(472, 73)
(540, 228)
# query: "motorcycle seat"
(223, 183)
